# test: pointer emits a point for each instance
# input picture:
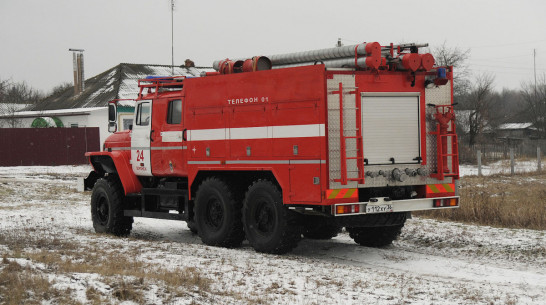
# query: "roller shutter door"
(390, 129)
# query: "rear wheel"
(107, 208)
(218, 215)
(383, 229)
(375, 236)
(269, 226)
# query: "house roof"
(55, 112)
(511, 126)
(7, 109)
(119, 82)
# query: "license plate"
(384, 208)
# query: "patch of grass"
(5, 191)
(22, 285)
(55, 192)
(121, 270)
(94, 296)
(516, 201)
(125, 290)
(189, 277)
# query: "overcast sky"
(35, 35)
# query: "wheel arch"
(115, 162)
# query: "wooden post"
(539, 160)
(479, 162)
(511, 161)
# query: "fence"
(47, 146)
(491, 152)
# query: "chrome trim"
(258, 162)
(307, 161)
(276, 162)
(204, 162)
(170, 148)
(151, 148)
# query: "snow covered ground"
(433, 262)
(501, 167)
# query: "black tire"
(192, 226)
(321, 232)
(269, 226)
(107, 208)
(218, 215)
(375, 236)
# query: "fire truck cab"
(271, 155)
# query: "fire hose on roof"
(361, 56)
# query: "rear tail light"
(446, 202)
(348, 209)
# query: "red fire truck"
(272, 148)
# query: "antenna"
(172, 38)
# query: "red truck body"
(333, 142)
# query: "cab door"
(140, 139)
(168, 144)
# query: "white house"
(90, 107)
(77, 117)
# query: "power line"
(508, 44)
(505, 67)
(500, 72)
(495, 61)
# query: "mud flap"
(88, 183)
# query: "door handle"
(184, 134)
(151, 133)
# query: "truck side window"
(174, 116)
(143, 114)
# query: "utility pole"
(172, 38)
(535, 68)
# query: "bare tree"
(9, 119)
(4, 83)
(479, 101)
(13, 97)
(535, 102)
(60, 88)
(453, 56)
(21, 93)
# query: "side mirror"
(112, 127)
(111, 113)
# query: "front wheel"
(107, 210)
(269, 226)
